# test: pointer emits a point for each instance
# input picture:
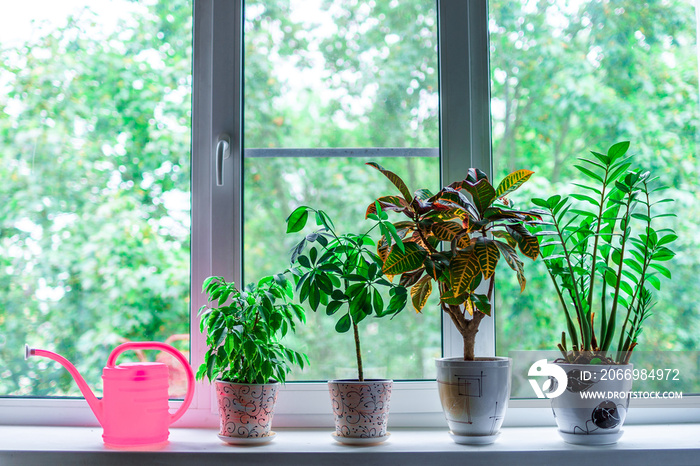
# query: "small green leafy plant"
(455, 238)
(603, 254)
(342, 274)
(244, 329)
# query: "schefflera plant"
(604, 254)
(455, 239)
(341, 273)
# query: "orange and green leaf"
(487, 254)
(404, 261)
(395, 179)
(463, 269)
(511, 258)
(512, 182)
(395, 203)
(482, 193)
(527, 242)
(445, 231)
(420, 292)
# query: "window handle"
(223, 151)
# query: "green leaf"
(618, 150)
(297, 219)
(589, 173)
(397, 301)
(654, 281)
(395, 235)
(553, 201)
(343, 325)
(314, 297)
(540, 203)
(667, 239)
(304, 261)
(603, 158)
(377, 302)
(661, 269)
(583, 197)
(663, 254)
(333, 307)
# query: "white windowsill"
(669, 445)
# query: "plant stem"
(591, 281)
(647, 261)
(469, 335)
(623, 243)
(577, 299)
(358, 353)
(569, 323)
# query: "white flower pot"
(246, 410)
(474, 397)
(594, 405)
(360, 409)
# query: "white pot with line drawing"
(594, 405)
(474, 397)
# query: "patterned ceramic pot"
(474, 397)
(361, 409)
(594, 405)
(245, 410)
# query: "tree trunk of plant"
(467, 328)
(360, 375)
(469, 335)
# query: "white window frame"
(465, 141)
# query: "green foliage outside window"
(95, 141)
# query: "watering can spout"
(93, 402)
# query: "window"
(245, 58)
(327, 87)
(95, 169)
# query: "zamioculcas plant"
(455, 238)
(603, 254)
(342, 274)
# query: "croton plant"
(455, 238)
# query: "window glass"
(95, 170)
(569, 77)
(328, 85)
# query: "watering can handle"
(156, 345)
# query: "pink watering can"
(134, 408)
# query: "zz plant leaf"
(602, 256)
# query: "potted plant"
(455, 238)
(244, 356)
(342, 274)
(604, 254)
